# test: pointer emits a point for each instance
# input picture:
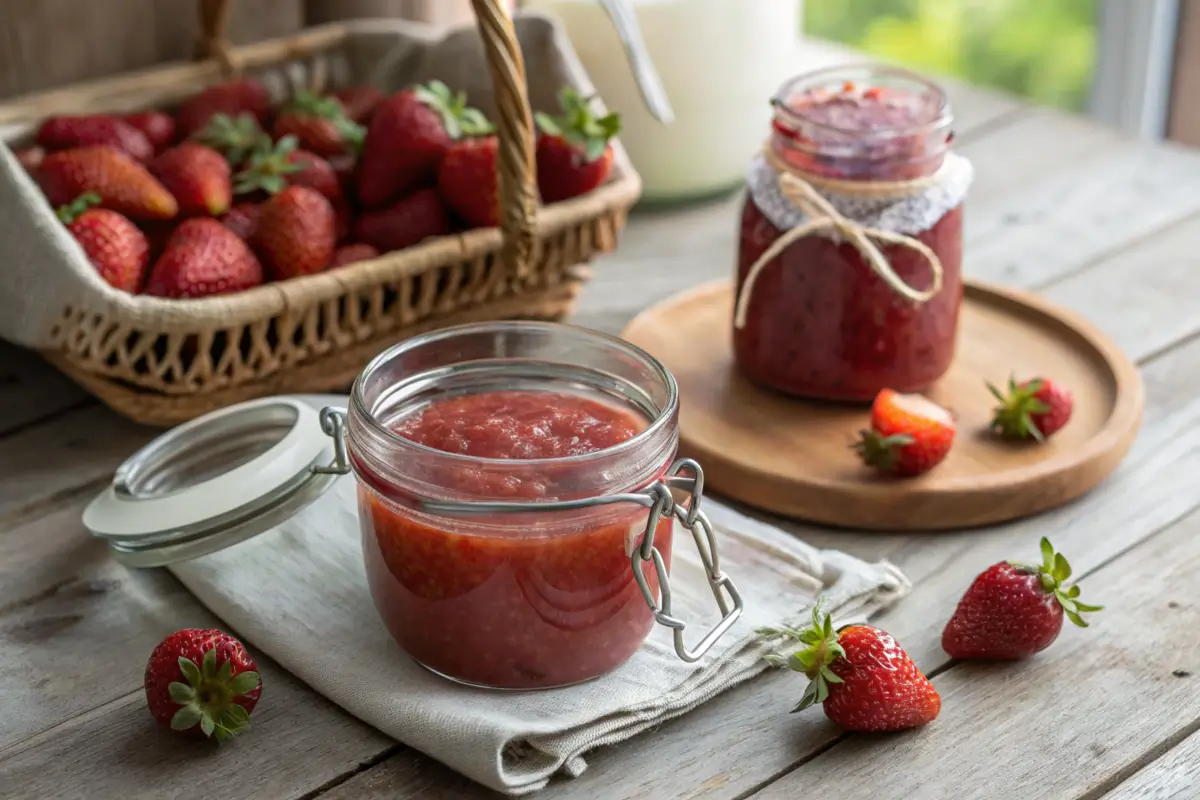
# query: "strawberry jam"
(820, 320)
(513, 600)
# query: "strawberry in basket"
(114, 245)
(573, 151)
(202, 258)
(198, 177)
(320, 125)
(122, 184)
(158, 127)
(66, 133)
(232, 98)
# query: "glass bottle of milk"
(718, 59)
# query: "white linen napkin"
(298, 593)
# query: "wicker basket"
(162, 362)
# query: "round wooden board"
(792, 457)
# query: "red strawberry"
(320, 125)
(862, 677)
(203, 258)
(272, 170)
(123, 184)
(232, 98)
(467, 181)
(350, 253)
(409, 135)
(66, 133)
(1014, 610)
(1035, 409)
(573, 151)
(296, 233)
(242, 219)
(404, 223)
(909, 435)
(202, 681)
(114, 245)
(360, 102)
(198, 176)
(30, 158)
(237, 138)
(158, 127)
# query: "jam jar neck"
(862, 123)
(509, 356)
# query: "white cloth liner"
(298, 594)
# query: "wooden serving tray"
(793, 457)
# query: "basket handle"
(517, 186)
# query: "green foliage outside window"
(1043, 50)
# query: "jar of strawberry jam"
(515, 498)
(849, 272)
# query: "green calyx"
(1053, 572)
(71, 211)
(236, 138)
(578, 125)
(207, 699)
(1012, 418)
(328, 108)
(877, 450)
(814, 660)
(268, 169)
(459, 119)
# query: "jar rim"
(661, 419)
(942, 116)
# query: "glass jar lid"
(215, 481)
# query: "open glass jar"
(849, 273)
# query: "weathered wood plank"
(1174, 776)
(30, 389)
(1059, 725)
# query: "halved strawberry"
(909, 434)
(1034, 409)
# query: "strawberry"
(114, 245)
(408, 137)
(1035, 409)
(156, 126)
(320, 125)
(202, 681)
(1013, 610)
(573, 151)
(909, 435)
(203, 258)
(198, 176)
(296, 232)
(404, 223)
(66, 133)
(231, 98)
(350, 253)
(237, 138)
(242, 219)
(360, 102)
(272, 170)
(123, 184)
(30, 158)
(467, 181)
(861, 676)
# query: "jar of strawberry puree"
(849, 269)
(517, 493)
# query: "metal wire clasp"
(333, 423)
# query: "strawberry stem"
(71, 211)
(1012, 419)
(459, 119)
(578, 125)
(238, 139)
(207, 697)
(814, 660)
(268, 169)
(1053, 572)
(877, 450)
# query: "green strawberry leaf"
(243, 683)
(181, 693)
(186, 718)
(190, 672)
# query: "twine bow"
(823, 217)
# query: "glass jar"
(508, 476)
(823, 318)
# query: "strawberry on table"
(360, 102)
(467, 180)
(1012, 610)
(404, 223)
(203, 258)
(242, 219)
(320, 124)
(1034, 409)
(66, 133)
(158, 127)
(573, 151)
(408, 137)
(232, 98)
(202, 682)
(198, 176)
(350, 253)
(123, 185)
(296, 233)
(114, 245)
(236, 138)
(909, 434)
(860, 675)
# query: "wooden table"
(1100, 224)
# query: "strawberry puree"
(545, 601)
